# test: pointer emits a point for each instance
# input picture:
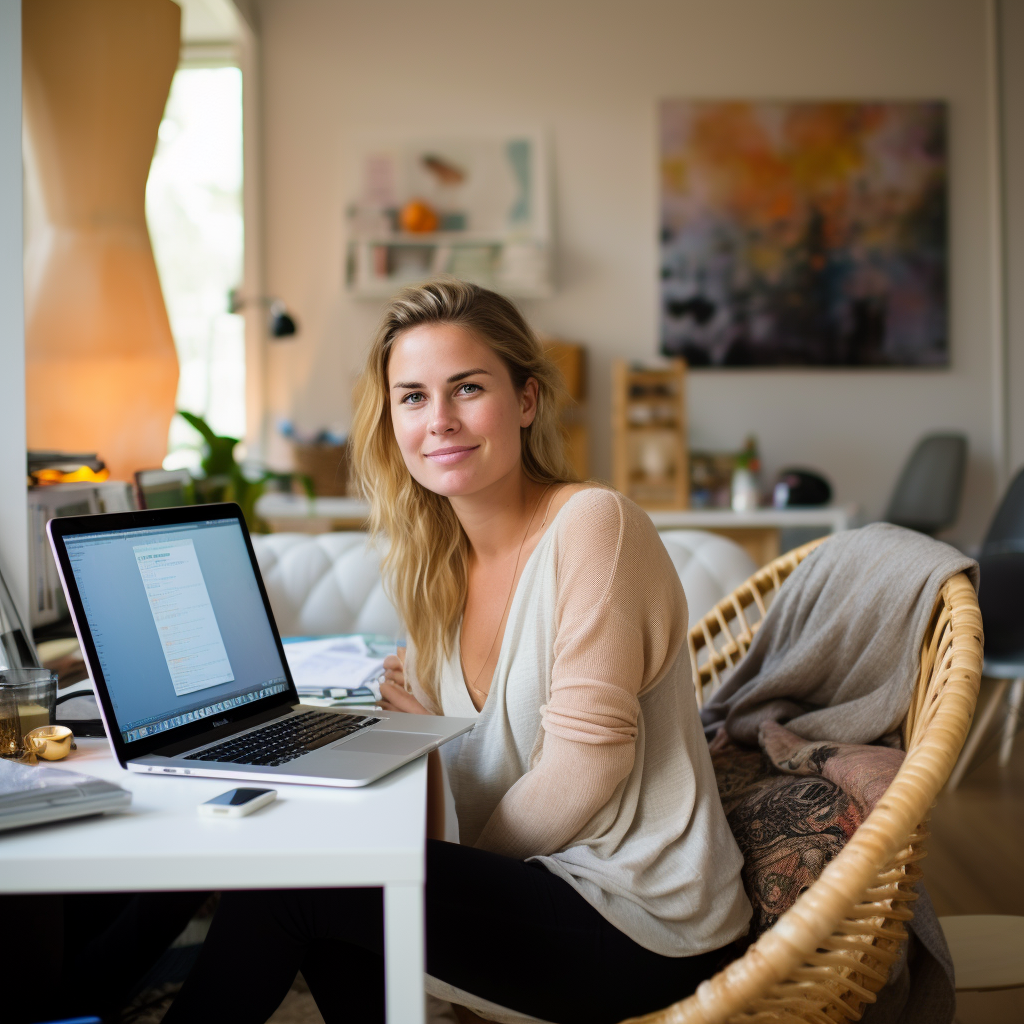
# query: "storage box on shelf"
(650, 459)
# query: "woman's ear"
(528, 402)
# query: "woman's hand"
(393, 692)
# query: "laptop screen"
(178, 621)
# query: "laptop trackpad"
(383, 741)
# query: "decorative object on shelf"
(571, 359)
(101, 367)
(475, 208)
(418, 217)
(801, 487)
(650, 460)
(711, 479)
(804, 234)
(745, 491)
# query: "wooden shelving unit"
(571, 359)
(650, 455)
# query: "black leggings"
(505, 930)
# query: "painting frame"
(804, 233)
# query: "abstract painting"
(804, 233)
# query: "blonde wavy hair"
(425, 565)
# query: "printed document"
(334, 666)
(185, 622)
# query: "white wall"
(590, 74)
(13, 515)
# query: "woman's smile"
(453, 454)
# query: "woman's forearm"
(552, 803)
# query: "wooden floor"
(975, 862)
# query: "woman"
(596, 877)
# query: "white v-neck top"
(588, 755)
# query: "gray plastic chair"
(999, 597)
(927, 496)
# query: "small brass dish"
(50, 742)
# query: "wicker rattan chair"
(828, 956)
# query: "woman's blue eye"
(408, 400)
(477, 387)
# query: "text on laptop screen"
(178, 622)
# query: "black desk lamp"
(281, 323)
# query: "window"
(194, 210)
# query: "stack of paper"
(336, 670)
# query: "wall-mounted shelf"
(488, 195)
(376, 267)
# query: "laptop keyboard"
(281, 742)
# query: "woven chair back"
(827, 957)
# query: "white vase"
(745, 496)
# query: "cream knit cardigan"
(588, 754)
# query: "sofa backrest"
(330, 582)
(323, 584)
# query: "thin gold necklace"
(473, 685)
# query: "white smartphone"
(237, 803)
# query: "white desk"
(310, 837)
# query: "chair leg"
(974, 740)
(1010, 725)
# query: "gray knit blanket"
(837, 658)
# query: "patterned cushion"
(789, 826)
(864, 772)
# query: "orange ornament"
(419, 218)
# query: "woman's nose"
(444, 420)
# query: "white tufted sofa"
(330, 583)
(326, 583)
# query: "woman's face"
(455, 412)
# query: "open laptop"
(190, 675)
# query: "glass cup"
(28, 700)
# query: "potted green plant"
(224, 479)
